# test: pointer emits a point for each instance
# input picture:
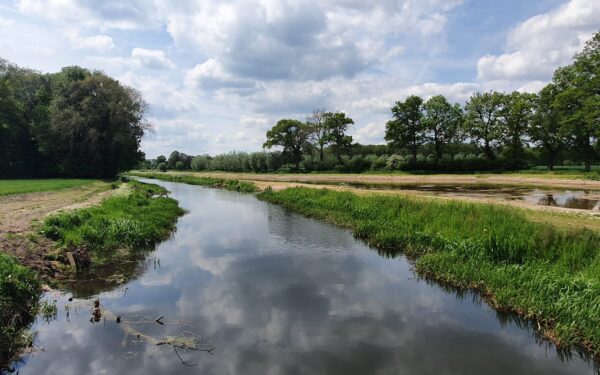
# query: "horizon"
(216, 79)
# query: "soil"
(21, 214)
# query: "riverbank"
(547, 273)
(87, 226)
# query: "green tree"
(337, 125)
(407, 129)
(481, 121)
(578, 102)
(515, 117)
(98, 125)
(442, 122)
(161, 159)
(545, 129)
(319, 133)
(162, 167)
(292, 136)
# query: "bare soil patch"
(19, 215)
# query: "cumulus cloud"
(536, 47)
(154, 59)
(302, 40)
(100, 42)
(210, 75)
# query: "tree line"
(74, 123)
(492, 131)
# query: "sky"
(218, 74)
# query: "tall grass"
(136, 220)
(547, 273)
(19, 292)
(233, 185)
(8, 187)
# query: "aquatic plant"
(542, 271)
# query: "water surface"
(277, 293)
(572, 199)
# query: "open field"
(9, 187)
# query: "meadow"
(21, 186)
(547, 273)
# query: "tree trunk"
(321, 152)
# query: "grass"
(19, 292)
(121, 222)
(544, 272)
(9, 187)
(233, 185)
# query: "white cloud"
(536, 47)
(210, 75)
(151, 58)
(100, 42)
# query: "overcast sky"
(218, 74)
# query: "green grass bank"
(233, 185)
(119, 225)
(9, 187)
(547, 273)
(20, 289)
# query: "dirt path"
(20, 213)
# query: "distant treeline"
(560, 125)
(74, 123)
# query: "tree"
(319, 133)
(99, 125)
(406, 130)
(544, 130)
(578, 101)
(442, 122)
(161, 159)
(292, 136)
(337, 124)
(481, 121)
(515, 117)
(180, 166)
(162, 167)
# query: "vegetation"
(74, 123)
(233, 185)
(547, 273)
(19, 293)
(8, 187)
(133, 221)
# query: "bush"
(180, 166)
(162, 167)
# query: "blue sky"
(218, 74)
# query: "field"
(9, 187)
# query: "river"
(265, 291)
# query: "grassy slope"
(544, 272)
(8, 187)
(233, 185)
(19, 292)
(136, 220)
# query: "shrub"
(180, 166)
(162, 167)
